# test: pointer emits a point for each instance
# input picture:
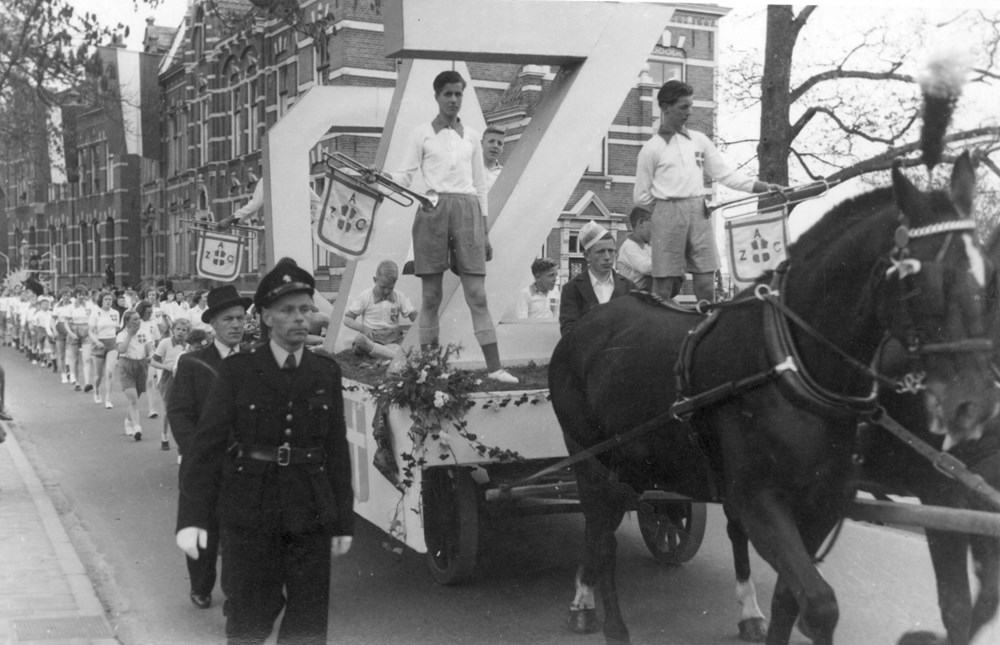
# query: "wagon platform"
(457, 487)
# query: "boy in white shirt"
(539, 299)
(376, 313)
(449, 156)
(635, 257)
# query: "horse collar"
(796, 383)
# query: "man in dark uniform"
(193, 380)
(270, 459)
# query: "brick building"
(221, 88)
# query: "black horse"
(887, 466)
(779, 452)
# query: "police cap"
(286, 277)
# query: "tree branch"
(884, 161)
(838, 73)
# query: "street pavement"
(116, 499)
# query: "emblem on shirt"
(699, 158)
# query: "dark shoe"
(200, 601)
(138, 435)
(164, 445)
(77, 388)
(88, 387)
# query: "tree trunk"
(775, 96)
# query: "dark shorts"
(132, 373)
(103, 346)
(454, 227)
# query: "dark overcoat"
(255, 406)
(193, 380)
(578, 297)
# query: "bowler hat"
(222, 298)
(286, 277)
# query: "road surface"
(118, 498)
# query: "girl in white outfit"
(103, 329)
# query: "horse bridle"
(902, 266)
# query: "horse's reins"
(684, 407)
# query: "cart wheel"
(451, 524)
(673, 535)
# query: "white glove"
(341, 544)
(190, 538)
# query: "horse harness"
(793, 379)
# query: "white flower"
(440, 398)
(445, 376)
(423, 376)
(479, 381)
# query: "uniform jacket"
(578, 297)
(254, 402)
(196, 372)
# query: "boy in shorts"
(450, 158)
(670, 182)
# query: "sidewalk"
(46, 597)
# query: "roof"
(158, 38)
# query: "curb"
(88, 624)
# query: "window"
(84, 265)
(597, 162)
(96, 254)
(574, 243)
(110, 163)
(203, 134)
(282, 91)
(254, 114)
(663, 71)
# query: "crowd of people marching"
(98, 340)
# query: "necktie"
(232, 350)
(289, 365)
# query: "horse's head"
(934, 298)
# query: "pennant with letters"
(346, 222)
(220, 255)
(756, 244)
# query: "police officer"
(270, 458)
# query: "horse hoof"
(753, 630)
(582, 621)
(922, 638)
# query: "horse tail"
(941, 83)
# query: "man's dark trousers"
(259, 566)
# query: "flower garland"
(438, 399)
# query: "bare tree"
(857, 111)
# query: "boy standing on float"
(450, 158)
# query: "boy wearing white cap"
(598, 284)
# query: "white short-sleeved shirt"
(385, 313)
(168, 353)
(105, 323)
(532, 303)
(137, 345)
(636, 263)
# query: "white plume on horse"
(946, 71)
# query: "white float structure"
(600, 48)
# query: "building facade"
(222, 85)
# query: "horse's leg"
(752, 625)
(986, 559)
(602, 512)
(949, 555)
(776, 536)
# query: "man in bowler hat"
(193, 380)
(270, 459)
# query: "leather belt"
(283, 455)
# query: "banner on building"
(756, 244)
(345, 223)
(220, 255)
